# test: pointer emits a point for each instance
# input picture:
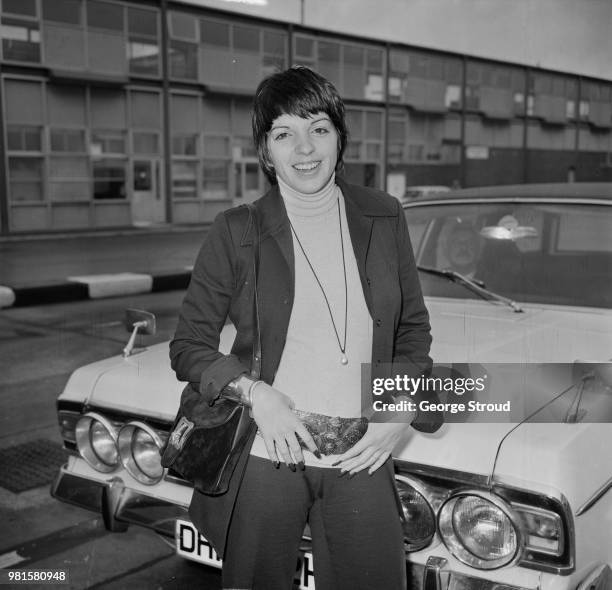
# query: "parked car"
(518, 281)
(416, 192)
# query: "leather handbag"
(206, 441)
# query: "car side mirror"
(137, 320)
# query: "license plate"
(190, 544)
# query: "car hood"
(466, 331)
(477, 333)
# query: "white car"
(417, 192)
(518, 282)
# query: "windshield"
(530, 252)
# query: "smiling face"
(303, 151)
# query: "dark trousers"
(355, 525)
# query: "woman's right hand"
(272, 410)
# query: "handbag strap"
(256, 360)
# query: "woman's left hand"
(374, 448)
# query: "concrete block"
(115, 285)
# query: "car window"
(583, 231)
(540, 253)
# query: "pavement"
(68, 267)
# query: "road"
(39, 348)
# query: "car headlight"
(480, 530)
(139, 447)
(96, 439)
(419, 522)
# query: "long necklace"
(341, 345)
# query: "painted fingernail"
(301, 466)
(317, 454)
(291, 466)
(342, 473)
(276, 464)
(352, 475)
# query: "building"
(127, 113)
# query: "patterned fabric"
(333, 435)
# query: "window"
(357, 70)
(146, 109)
(109, 179)
(66, 106)
(107, 142)
(329, 62)
(366, 134)
(20, 40)
(20, 7)
(452, 100)
(584, 109)
(493, 90)
(23, 101)
(519, 103)
(183, 52)
(215, 179)
(103, 15)
(185, 145)
(422, 138)
(143, 42)
(274, 43)
(246, 39)
(25, 178)
(146, 142)
(550, 94)
(67, 140)
(304, 47)
(184, 179)
(62, 11)
(143, 57)
(69, 178)
(108, 108)
(183, 60)
(216, 146)
(183, 26)
(244, 146)
(237, 56)
(423, 80)
(275, 52)
(24, 138)
(215, 33)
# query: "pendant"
(344, 360)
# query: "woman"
(337, 287)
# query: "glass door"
(147, 203)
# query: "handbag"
(206, 441)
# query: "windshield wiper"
(472, 285)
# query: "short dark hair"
(297, 91)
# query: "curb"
(80, 288)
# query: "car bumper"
(121, 504)
(118, 504)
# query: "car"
(518, 283)
(417, 192)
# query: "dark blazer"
(221, 287)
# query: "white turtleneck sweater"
(310, 369)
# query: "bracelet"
(250, 392)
